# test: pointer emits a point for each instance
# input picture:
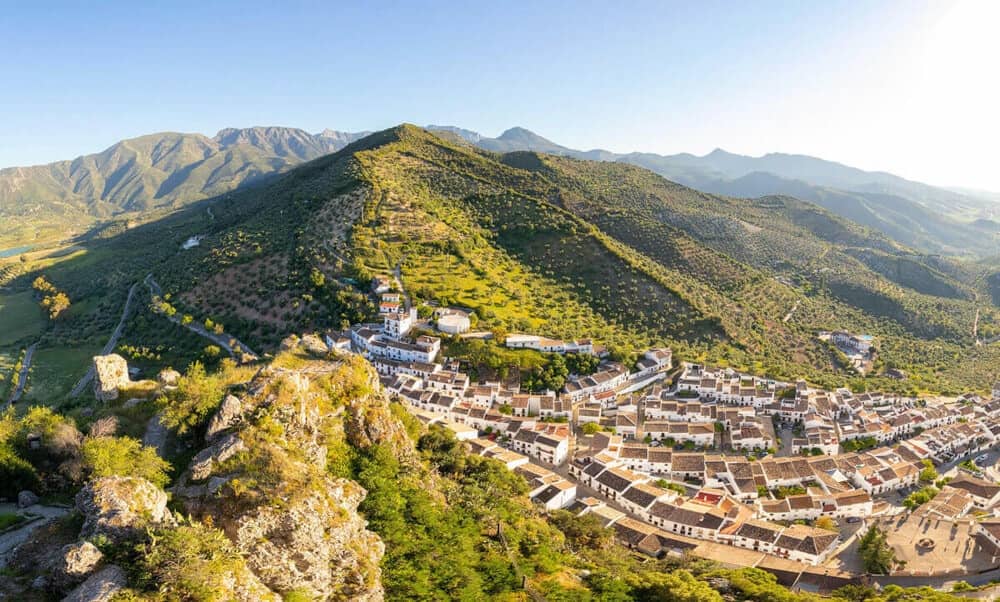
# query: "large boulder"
(314, 345)
(26, 499)
(100, 587)
(110, 375)
(224, 419)
(75, 562)
(169, 377)
(121, 507)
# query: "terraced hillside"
(532, 242)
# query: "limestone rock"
(225, 417)
(369, 421)
(305, 534)
(76, 562)
(99, 587)
(110, 375)
(120, 507)
(169, 377)
(156, 435)
(289, 342)
(208, 458)
(314, 345)
(26, 498)
(318, 543)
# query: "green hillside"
(532, 242)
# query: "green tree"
(928, 474)
(877, 556)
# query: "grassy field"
(21, 318)
(54, 372)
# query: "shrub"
(126, 457)
(16, 474)
(190, 562)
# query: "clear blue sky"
(900, 85)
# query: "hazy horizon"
(899, 87)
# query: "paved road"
(112, 341)
(22, 376)
(222, 340)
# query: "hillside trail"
(22, 376)
(229, 343)
(112, 341)
(14, 538)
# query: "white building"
(454, 323)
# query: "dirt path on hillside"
(12, 539)
(22, 376)
(228, 342)
(112, 341)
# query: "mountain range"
(931, 219)
(167, 170)
(541, 243)
(148, 173)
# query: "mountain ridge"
(156, 171)
(935, 220)
(163, 171)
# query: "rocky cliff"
(263, 509)
(263, 478)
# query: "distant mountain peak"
(517, 131)
(719, 153)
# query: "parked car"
(854, 519)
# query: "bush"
(124, 457)
(191, 562)
(918, 498)
(16, 474)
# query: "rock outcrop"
(75, 563)
(318, 543)
(26, 499)
(110, 375)
(302, 531)
(168, 377)
(207, 459)
(100, 587)
(121, 507)
(224, 418)
(156, 435)
(314, 345)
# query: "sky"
(904, 86)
